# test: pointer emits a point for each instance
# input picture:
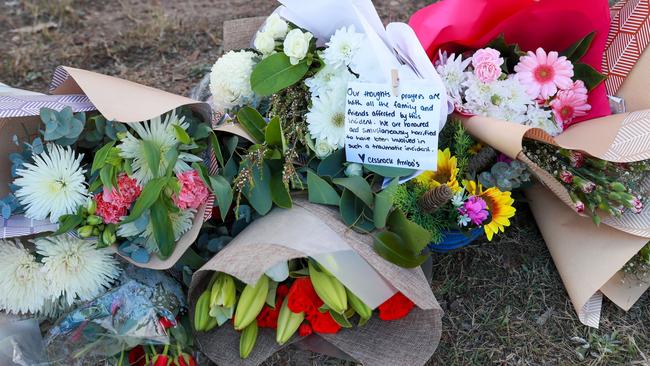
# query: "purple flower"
(580, 207)
(637, 205)
(476, 209)
(566, 177)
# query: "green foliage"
(320, 191)
(462, 142)
(98, 130)
(62, 127)
(355, 213)
(591, 77)
(258, 193)
(223, 193)
(510, 52)
(394, 249)
(358, 186)
(150, 194)
(253, 122)
(580, 48)
(384, 203)
(275, 73)
(162, 228)
(389, 172)
(406, 199)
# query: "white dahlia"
(54, 185)
(230, 83)
(161, 134)
(75, 268)
(23, 283)
(326, 118)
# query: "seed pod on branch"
(435, 198)
(482, 160)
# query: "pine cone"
(435, 198)
(482, 160)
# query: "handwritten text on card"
(398, 131)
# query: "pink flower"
(566, 177)
(127, 191)
(543, 74)
(580, 207)
(476, 209)
(193, 191)
(110, 212)
(571, 103)
(487, 64)
(637, 205)
(577, 159)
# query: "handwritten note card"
(402, 131)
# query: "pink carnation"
(487, 64)
(542, 74)
(193, 191)
(126, 193)
(566, 176)
(580, 207)
(571, 103)
(476, 209)
(111, 213)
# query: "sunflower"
(499, 205)
(445, 174)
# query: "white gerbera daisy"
(343, 46)
(76, 269)
(53, 185)
(326, 118)
(181, 223)
(161, 133)
(329, 78)
(23, 284)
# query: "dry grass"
(504, 301)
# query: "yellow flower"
(476, 148)
(445, 174)
(499, 205)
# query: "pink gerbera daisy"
(542, 74)
(569, 104)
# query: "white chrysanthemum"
(75, 268)
(343, 46)
(326, 118)
(513, 94)
(53, 185)
(452, 70)
(161, 133)
(328, 79)
(181, 223)
(542, 118)
(230, 83)
(23, 284)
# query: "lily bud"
(247, 340)
(223, 291)
(91, 207)
(94, 220)
(85, 231)
(251, 302)
(108, 236)
(329, 289)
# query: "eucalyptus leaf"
(333, 165)
(359, 186)
(415, 237)
(216, 148)
(223, 193)
(392, 248)
(355, 213)
(279, 191)
(276, 73)
(259, 195)
(274, 135)
(389, 172)
(384, 202)
(182, 135)
(320, 191)
(252, 121)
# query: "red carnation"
(268, 317)
(136, 356)
(304, 330)
(302, 296)
(283, 291)
(397, 307)
(323, 322)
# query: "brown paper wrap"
(269, 240)
(119, 100)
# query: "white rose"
(354, 170)
(276, 27)
(264, 43)
(323, 149)
(296, 45)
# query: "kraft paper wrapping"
(116, 99)
(274, 238)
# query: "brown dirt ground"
(504, 301)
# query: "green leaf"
(279, 192)
(203, 173)
(259, 196)
(580, 48)
(100, 157)
(340, 319)
(389, 172)
(383, 203)
(359, 186)
(590, 76)
(106, 174)
(223, 193)
(510, 52)
(171, 157)
(163, 230)
(355, 213)
(415, 236)
(182, 135)
(252, 121)
(274, 135)
(332, 166)
(148, 197)
(152, 156)
(68, 222)
(191, 259)
(276, 73)
(216, 147)
(392, 248)
(320, 191)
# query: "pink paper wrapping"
(459, 25)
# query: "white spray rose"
(276, 27)
(296, 45)
(264, 43)
(230, 80)
(323, 149)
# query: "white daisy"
(452, 71)
(343, 46)
(326, 118)
(53, 185)
(181, 223)
(76, 269)
(161, 133)
(23, 284)
(329, 78)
